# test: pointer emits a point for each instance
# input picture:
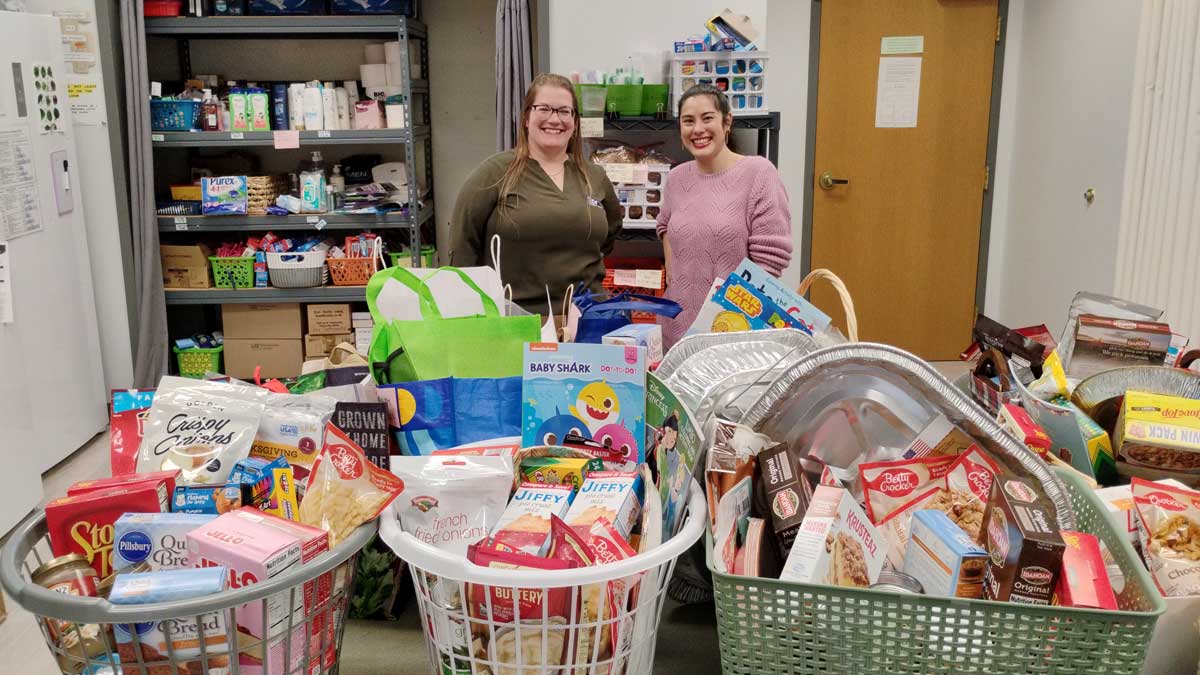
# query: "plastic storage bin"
(303, 269)
(196, 361)
(174, 115)
(656, 98)
(625, 99)
(351, 271)
(275, 7)
(591, 99)
(772, 626)
(742, 75)
(232, 272)
(163, 7)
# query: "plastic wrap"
(860, 402)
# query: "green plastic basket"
(625, 99)
(233, 272)
(772, 626)
(404, 257)
(196, 361)
(654, 96)
(591, 99)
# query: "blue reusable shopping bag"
(430, 415)
(601, 314)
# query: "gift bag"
(600, 316)
(434, 347)
(448, 412)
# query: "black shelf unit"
(241, 139)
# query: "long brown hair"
(508, 181)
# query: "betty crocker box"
(836, 544)
(254, 552)
(84, 523)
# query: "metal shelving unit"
(210, 296)
(241, 139)
(282, 26)
(314, 222)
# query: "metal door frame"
(810, 148)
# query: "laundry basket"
(772, 626)
(305, 269)
(322, 587)
(443, 580)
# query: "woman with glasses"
(556, 213)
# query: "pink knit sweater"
(712, 222)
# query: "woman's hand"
(666, 261)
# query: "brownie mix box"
(1021, 537)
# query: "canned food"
(897, 582)
(71, 574)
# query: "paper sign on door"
(898, 92)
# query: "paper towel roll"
(395, 74)
(373, 74)
(391, 52)
(373, 53)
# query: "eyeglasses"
(546, 111)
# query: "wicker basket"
(261, 192)
(304, 269)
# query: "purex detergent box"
(595, 391)
(223, 195)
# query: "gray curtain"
(150, 341)
(514, 68)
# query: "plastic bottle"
(329, 107)
(313, 108)
(210, 112)
(343, 107)
(338, 183)
(312, 185)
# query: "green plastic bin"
(404, 257)
(772, 626)
(196, 361)
(232, 272)
(654, 98)
(625, 99)
(591, 99)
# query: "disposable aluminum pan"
(779, 341)
(1100, 395)
(859, 402)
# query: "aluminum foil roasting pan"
(860, 402)
(780, 340)
(1100, 395)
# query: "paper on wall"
(19, 209)
(898, 92)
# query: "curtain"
(150, 342)
(513, 68)
(1158, 247)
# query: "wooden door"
(904, 231)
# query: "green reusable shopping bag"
(484, 345)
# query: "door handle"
(827, 181)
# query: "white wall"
(1065, 115)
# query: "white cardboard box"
(856, 549)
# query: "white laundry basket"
(443, 580)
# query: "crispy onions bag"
(1169, 527)
(452, 501)
(344, 489)
(201, 434)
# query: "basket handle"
(843, 293)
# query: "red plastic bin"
(163, 7)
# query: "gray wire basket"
(80, 630)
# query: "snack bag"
(451, 502)
(1169, 526)
(888, 485)
(344, 489)
(968, 486)
(201, 434)
(292, 427)
(130, 408)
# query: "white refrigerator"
(52, 395)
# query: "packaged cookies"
(1169, 526)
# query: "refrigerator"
(52, 394)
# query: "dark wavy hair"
(720, 101)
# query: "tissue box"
(647, 335)
(368, 115)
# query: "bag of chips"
(1169, 528)
(344, 489)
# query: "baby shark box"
(595, 391)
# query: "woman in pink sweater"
(718, 209)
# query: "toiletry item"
(296, 106)
(210, 112)
(314, 119)
(312, 185)
(279, 106)
(239, 110)
(337, 180)
(293, 185)
(223, 116)
(329, 106)
(327, 204)
(351, 91)
(259, 110)
(343, 107)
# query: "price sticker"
(591, 127)
(157, 138)
(180, 227)
(321, 224)
(180, 220)
(236, 135)
(619, 173)
(322, 134)
(312, 219)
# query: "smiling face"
(550, 120)
(702, 127)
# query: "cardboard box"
(943, 557)
(278, 358)
(1159, 432)
(328, 319)
(84, 523)
(186, 266)
(780, 480)
(646, 335)
(1084, 581)
(276, 321)
(836, 543)
(1018, 423)
(1024, 547)
(318, 346)
(1102, 344)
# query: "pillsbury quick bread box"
(159, 539)
(223, 196)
